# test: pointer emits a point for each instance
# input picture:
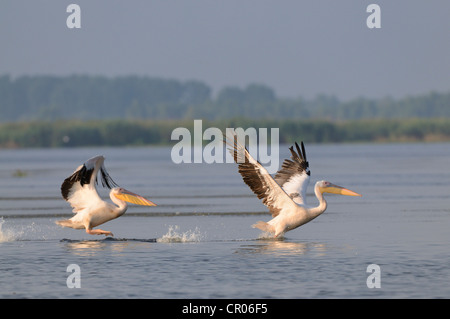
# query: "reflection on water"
(275, 247)
(283, 248)
(400, 224)
(93, 247)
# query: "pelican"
(284, 195)
(90, 210)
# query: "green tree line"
(75, 133)
(81, 97)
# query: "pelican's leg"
(91, 231)
(279, 235)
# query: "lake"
(198, 242)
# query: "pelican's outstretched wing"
(294, 174)
(259, 180)
(79, 188)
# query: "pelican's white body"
(97, 213)
(90, 210)
(285, 196)
(290, 217)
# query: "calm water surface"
(198, 242)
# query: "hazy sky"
(299, 48)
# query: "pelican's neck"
(122, 205)
(316, 211)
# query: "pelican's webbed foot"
(99, 232)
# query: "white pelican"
(80, 191)
(284, 195)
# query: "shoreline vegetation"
(82, 110)
(76, 133)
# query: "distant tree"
(84, 97)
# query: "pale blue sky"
(299, 48)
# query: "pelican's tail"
(266, 227)
(65, 223)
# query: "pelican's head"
(327, 187)
(130, 197)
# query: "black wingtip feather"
(83, 175)
(107, 181)
(298, 151)
(300, 155)
(304, 152)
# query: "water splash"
(270, 236)
(7, 235)
(174, 236)
(12, 231)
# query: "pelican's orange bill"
(345, 191)
(134, 198)
(335, 189)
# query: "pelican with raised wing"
(285, 194)
(90, 210)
